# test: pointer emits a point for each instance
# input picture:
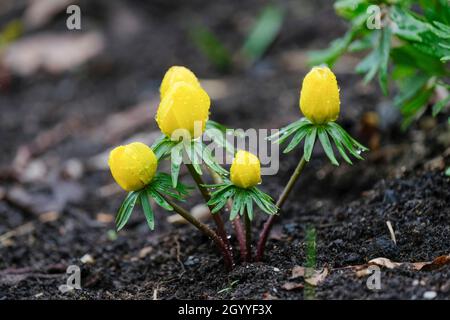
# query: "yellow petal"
(133, 166)
(319, 96)
(186, 107)
(245, 171)
(177, 74)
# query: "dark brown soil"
(401, 181)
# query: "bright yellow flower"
(184, 106)
(245, 171)
(319, 96)
(133, 166)
(177, 74)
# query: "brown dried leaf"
(40, 12)
(317, 277)
(385, 262)
(54, 53)
(298, 271)
(145, 251)
(104, 217)
(292, 286)
(268, 296)
(433, 265)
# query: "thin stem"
(241, 238)
(217, 218)
(281, 200)
(248, 236)
(205, 229)
(237, 225)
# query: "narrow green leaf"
(338, 143)
(148, 212)
(385, 47)
(309, 143)
(126, 209)
(208, 44)
(249, 207)
(438, 106)
(298, 137)
(194, 156)
(176, 160)
(325, 141)
(263, 33)
(159, 200)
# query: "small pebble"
(87, 259)
(429, 295)
(276, 269)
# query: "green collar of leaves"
(304, 129)
(243, 199)
(196, 151)
(160, 185)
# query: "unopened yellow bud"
(184, 106)
(133, 166)
(177, 74)
(245, 171)
(319, 96)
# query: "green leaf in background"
(447, 172)
(407, 27)
(263, 33)
(409, 87)
(438, 106)
(349, 9)
(331, 54)
(211, 47)
(384, 51)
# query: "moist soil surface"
(57, 206)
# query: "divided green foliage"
(194, 150)
(305, 130)
(421, 33)
(263, 33)
(159, 186)
(242, 200)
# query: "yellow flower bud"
(133, 166)
(184, 106)
(319, 96)
(177, 74)
(245, 171)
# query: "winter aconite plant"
(183, 118)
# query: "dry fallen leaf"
(297, 272)
(104, 217)
(49, 216)
(144, 252)
(268, 296)
(39, 12)
(384, 262)
(292, 286)
(435, 264)
(317, 277)
(52, 52)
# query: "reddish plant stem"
(248, 236)
(217, 218)
(241, 238)
(205, 229)
(281, 200)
